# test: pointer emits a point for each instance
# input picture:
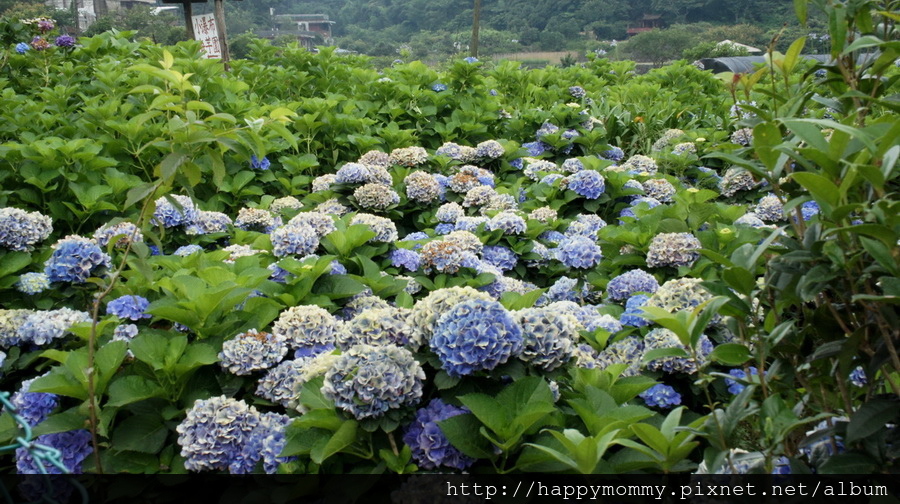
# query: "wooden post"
(188, 9)
(223, 37)
(473, 50)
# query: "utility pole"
(473, 49)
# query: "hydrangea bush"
(248, 277)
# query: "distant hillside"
(380, 26)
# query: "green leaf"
(140, 433)
(800, 8)
(765, 137)
(131, 389)
(344, 437)
(849, 463)
(12, 262)
(730, 354)
(793, 54)
(822, 189)
(459, 429)
(870, 418)
(64, 421)
(659, 353)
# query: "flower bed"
(307, 266)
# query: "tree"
(660, 46)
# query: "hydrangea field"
(306, 265)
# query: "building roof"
(750, 49)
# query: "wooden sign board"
(207, 32)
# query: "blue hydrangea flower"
(367, 381)
(469, 223)
(508, 222)
(858, 377)
(587, 183)
(430, 447)
(169, 216)
(736, 387)
(405, 258)
(819, 445)
(125, 332)
(262, 164)
(294, 238)
(577, 92)
(74, 447)
(208, 223)
(21, 230)
(475, 335)
(563, 289)
(449, 212)
(33, 283)
(661, 396)
(770, 208)
(281, 383)
(309, 329)
(252, 351)
(379, 326)
(421, 187)
(673, 249)
(632, 315)
(33, 407)
(187, 250)
(352, 173)
(664, 338)
(613, 154)
(470, 59)
(444, 228)
(546, 129)
(264, 443)
(552, 236)
(490, 149)
(22, 47)
(129, 307)
(549, 337)
(579, 252)
(631, 282)
(628, 351)
(74, 260)
(501, 257)
(586, 225)
(42, 327)
(418, 235)
(809, 210)
(385, 229)
(214, 431)
(592, 320)
(375, 196)
(442, 256)
(437, 88)
(535, 149)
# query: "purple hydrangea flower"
(65, 41)
(74, 446)
(430, 447)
